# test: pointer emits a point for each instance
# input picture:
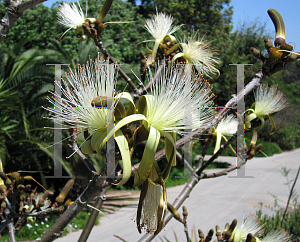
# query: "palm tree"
(24, 82)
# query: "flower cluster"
(252, 225)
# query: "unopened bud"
(185, 212)
(62, 196)
(19, 180)
(4, 177)
(232, 225)
(28, 187)
(14, 175)
(218, 231)
(268, 43)
(21, 188)
(292, 57)
(174, 212)
(255, 53)
(228, 233)
(2, 187)
(42, 199)
(279, 41)
(209, 236)
(21, 206)
(68, 202)
(258, 147)
(249, 238)
(286, 46)
(274, 54)
(200, 233)
(3, 204)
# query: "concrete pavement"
(213, 201)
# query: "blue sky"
(251, 10)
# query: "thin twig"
(99, 44)
(291, 193)
(92, 218)
(184, 161)
(221, 173)
(77, 151)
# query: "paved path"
(213, 201)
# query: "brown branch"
(15, 10)
(92, 190)
(222, 173)
(40, 213)
(77, 151)
(184, 161)
(10, 226)
(92, 218)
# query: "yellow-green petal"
(148, 156)
(218, 142)
(124, 149)
(131, 108)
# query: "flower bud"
(285, 46)
(279, 41)
(3, 204)
(14, 175)
(200, 233)
(209, 236)
(4, 177)
(68, 202)
(268, 43)
(174, 212)
(2, 187)
(255, 52)
(21, 206)
(185, 212)
(218, 232)
(19, 180)
(20, 188)
(42, 199)
(249, 238)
